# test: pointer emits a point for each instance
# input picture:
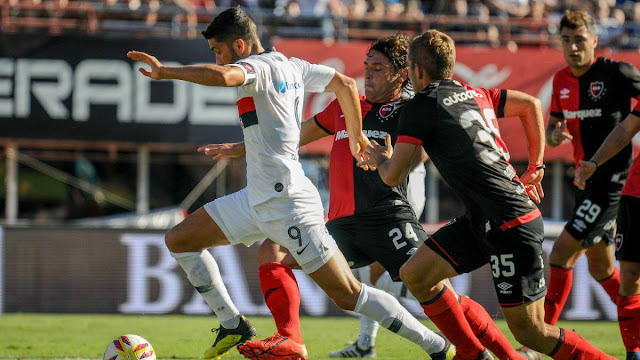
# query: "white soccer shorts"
(295, 223)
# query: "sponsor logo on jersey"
(386, 110)
(460, 96)
(564, 93)
(596, 89)
(376, 134)
(284, 86)
(582, 114)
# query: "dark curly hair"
(395, 47)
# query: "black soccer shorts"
(628, 237)
(388, 235)
(594, 213)
(514, 254)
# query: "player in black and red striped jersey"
(454, 123)
(370, 220)
(628, 237)
(590, 97)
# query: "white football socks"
(368, 326)
(203, 273)
(386, 310)
(386, 283)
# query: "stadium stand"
(494, 23)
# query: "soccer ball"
(129, 347)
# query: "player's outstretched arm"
(529, 110)
(310, 132)
(346, 91)
(393, 163)
(618, 138)
(218, 151)
(209, 74)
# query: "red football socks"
(629, 321)
(560, 280)
(611, 284)
(446, 312)
(573, 346)
(486, 330)
(281, 293)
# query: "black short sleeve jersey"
(456, 125)
(593, 104)
(353, 190)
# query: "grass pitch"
(52, 336)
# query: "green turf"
(32, 336)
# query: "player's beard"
(234, 57)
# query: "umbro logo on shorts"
(504, 287)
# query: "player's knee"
(172, 241)
(411, 278)
(267, 253)
(629, 280)
(600, 269)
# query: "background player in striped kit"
(590, 97)
(628, 236)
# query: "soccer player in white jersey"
(279, 202)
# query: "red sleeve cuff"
(409, 140)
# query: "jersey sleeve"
(555, 109)
(416, 119)
(314, 77)
(498, 98)
(326, 119)
(257, 75)
(631, 77)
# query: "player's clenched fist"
(154, 63)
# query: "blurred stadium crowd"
(493, 23)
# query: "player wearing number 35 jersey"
(501, 226)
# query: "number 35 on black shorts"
(514, 255)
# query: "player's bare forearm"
(209, 75)
(346, 91)
(529, 110)
(419, 158)
(393, 163)
(619, 137)
(310, 132)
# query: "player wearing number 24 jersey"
(501, 225)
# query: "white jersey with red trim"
(270, 107)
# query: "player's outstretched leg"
(628, 302)
(423, 274)
(282, 296)
(337, 280)
(187, 242)
(364, 346)
(527, 325)
(480, 321)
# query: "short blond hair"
(435, 52)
